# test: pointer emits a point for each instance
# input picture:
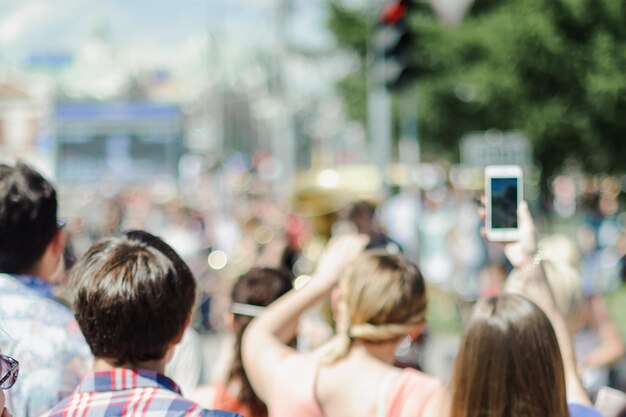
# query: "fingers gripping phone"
(503, 195)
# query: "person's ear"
(50, 262)
(57, 243)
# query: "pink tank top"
(294, 391)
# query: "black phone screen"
(504, 203)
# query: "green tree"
(553, 69)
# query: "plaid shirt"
(129, 393)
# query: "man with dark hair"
(39, 331)
(133, 297)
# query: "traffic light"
(393, 43)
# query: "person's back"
(37, 330)
(133, 297)
(130, 393)
(44, 336)
(355, 386)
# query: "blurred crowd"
(233, 219)
(246, 242)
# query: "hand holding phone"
(503, 194)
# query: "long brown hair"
(258, 287)
(509, 363)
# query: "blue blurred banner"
(126, 142)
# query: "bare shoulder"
(424, 392)
(426, 383)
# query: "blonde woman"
(597, 340)
(380, 299)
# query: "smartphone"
(503, 195)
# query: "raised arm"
(264, 341)
(530, 281)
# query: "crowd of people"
(97, 324)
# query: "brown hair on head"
(509, 363)
(258, 287)
(132, 296)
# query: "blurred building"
(249, 76)
(25, 107)
(123, 142)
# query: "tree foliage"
(554, 69)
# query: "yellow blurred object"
(399, 175)
(321, 192)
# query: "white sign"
(493, 147)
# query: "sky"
(40, 26)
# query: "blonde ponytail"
(382, 298)
(339, 345)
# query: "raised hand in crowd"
(516, 357)
(529, 280)
(379, 299)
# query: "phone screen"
(504, 203)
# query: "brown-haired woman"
(380, 299)
(509, 363)
(251, 293)
(516, 357)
